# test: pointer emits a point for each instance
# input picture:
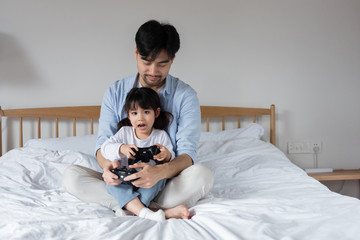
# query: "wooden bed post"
(272, 125)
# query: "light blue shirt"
(176, 97)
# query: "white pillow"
(253, 130)
(84, 144)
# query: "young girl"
(143, 127)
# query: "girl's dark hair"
(152, 37)
(145, 98)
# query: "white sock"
(148, 214)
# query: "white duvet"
(258, 194)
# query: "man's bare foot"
(179, 212)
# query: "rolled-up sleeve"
(189, 124)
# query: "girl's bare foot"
(179, 212)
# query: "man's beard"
(158, 83)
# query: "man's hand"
(148, 176)
(109, 177)
(107, 165)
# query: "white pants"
(192, 184)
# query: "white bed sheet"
(258, 194)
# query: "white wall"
(303, 56)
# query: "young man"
(156, 46)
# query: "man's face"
(153, 73)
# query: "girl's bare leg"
(134, 206)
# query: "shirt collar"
(166, 89)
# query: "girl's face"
(143, 120)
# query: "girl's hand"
(127, 150)
(164, 154)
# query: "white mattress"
(258, 194)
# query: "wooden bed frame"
(93, 113)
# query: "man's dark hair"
(152, 37)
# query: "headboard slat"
(74, 126)
(57, 127)
(39, 127)
(21, 141)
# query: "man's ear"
(157, 113)
(136, 52)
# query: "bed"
(257, 194)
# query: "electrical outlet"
(300, 147)
(316, 146)
(304, 147)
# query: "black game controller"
(123, 172)
(144, 155)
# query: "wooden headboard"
(93, 113)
